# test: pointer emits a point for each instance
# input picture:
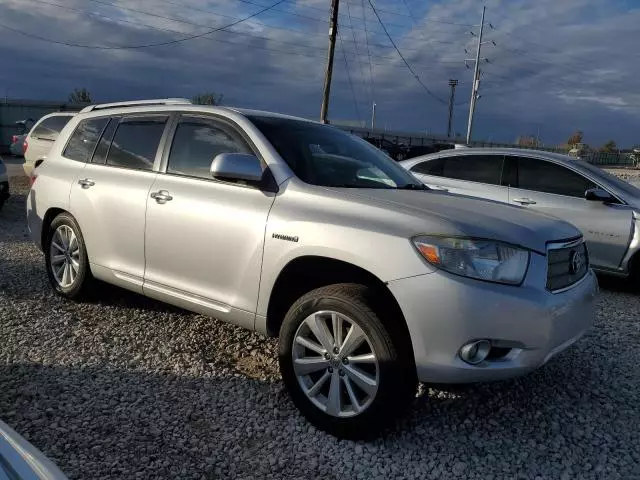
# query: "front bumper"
(444, 312)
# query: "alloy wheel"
(64, 256)
(335, 364)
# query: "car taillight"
(32, 178)
(25, 145)
(14, 139)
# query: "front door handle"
(524, 201)
(161, 196)
(86, 183)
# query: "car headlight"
(480, 259)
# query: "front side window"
(84, 139)
(542, 176)
(326, 156)
(50, 128)
(136, 142)
(474, 168)
(197, 142)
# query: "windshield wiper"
(413, 186)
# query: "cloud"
(557, 65)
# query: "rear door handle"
(524, 201)
(161, 196)
(86, 183)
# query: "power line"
(409, 67)
(353, 92)
(147, 45)
(355, 43)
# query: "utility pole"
(333, 29)
(373, 116)
(476, 81)
(452, 84)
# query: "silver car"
(605, 208)
(19, 460)
(295, 229)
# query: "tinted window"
(84, 139)
(49, 128)
(543, 176)
(324, 155)
(135, 143)
(431, 167)
(100, 154)
(195, 145)
(474, 168)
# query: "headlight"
(481, 259)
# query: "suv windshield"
(326, 156)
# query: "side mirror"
(598, 195)
(236, 166)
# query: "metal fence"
(12, 111)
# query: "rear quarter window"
(84, 139)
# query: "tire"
(56, 236)
(393, 371)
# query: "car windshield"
(326, 156)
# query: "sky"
(557, 65)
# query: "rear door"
(109, 198)
(474, 175)
(552, 188)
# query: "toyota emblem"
(576, 262)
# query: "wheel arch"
(48, 217)
(306, 273)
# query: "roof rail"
(136, 103)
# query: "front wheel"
(343, 368)
(66, 258)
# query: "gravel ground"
(125, 387)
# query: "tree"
(80, 95)
(609, 147)
(527, 141)
(207, 99)
(575, 138)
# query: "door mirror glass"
(598, 195)
(236, 166)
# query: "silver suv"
(295, 229)
(605, 208)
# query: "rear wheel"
(66, 258)
(341, 365)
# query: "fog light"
(475, 352)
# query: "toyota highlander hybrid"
(295, 229)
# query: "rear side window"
(542, 176)
(431, 167)
(474, 168)
(84, 139)
(197, 142)
(136, 142)
(50, 128)
(100, 154)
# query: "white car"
(41, 137)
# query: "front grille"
(567, 264)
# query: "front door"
(204, 238)
(109, 197)
(554, 189)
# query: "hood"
(444, 213)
